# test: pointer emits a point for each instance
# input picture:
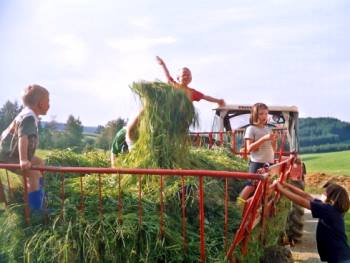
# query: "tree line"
(323, 134)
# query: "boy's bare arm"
(23, 152)
(165, 69)
(112, 159)
(220, 102)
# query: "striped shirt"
(264, 154)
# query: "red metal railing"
(251, 216)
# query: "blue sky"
(87, 52)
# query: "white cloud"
(139, 43)
(71, 50)
(232, 14)
(277, 36)
(141, 22)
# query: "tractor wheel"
(295, 221)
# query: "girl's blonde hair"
(33, 94)
(254, 113)
(337, 196)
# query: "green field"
(336, 163)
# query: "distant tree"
(52, 125)
(73, 132)
(48, 135)
(7, 113)
(88, 144)
(105, 138)
(99, 129)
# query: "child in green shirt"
(19, 140)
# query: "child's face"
(44, 104)
(185, 76)
(263, 116)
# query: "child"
(125, 138)
(119, 145)
(330, 234)
(20, 139)
(261, 144)
(185, 78)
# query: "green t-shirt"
(119, 144)
(9, 144)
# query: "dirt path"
(306, 251)
(317, 180)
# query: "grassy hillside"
(324, 135)
(336, 163)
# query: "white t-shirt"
(265, 153)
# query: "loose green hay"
(163, 129)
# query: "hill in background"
(323, 135)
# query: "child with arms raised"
(20, 139)
(184, 79)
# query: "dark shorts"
(253, 168)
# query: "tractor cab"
(235, 119)
(229, 126)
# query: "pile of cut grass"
(166, 118)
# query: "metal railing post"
(201, 220)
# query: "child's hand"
(274, 136)
(274, 183)
(25, 165)
(160, 61)
(269, 137)
(221, 103)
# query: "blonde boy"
(19, 141)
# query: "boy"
(20, 139)
(184, 79)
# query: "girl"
(261, 144)
(330, 234)
(184, 78)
